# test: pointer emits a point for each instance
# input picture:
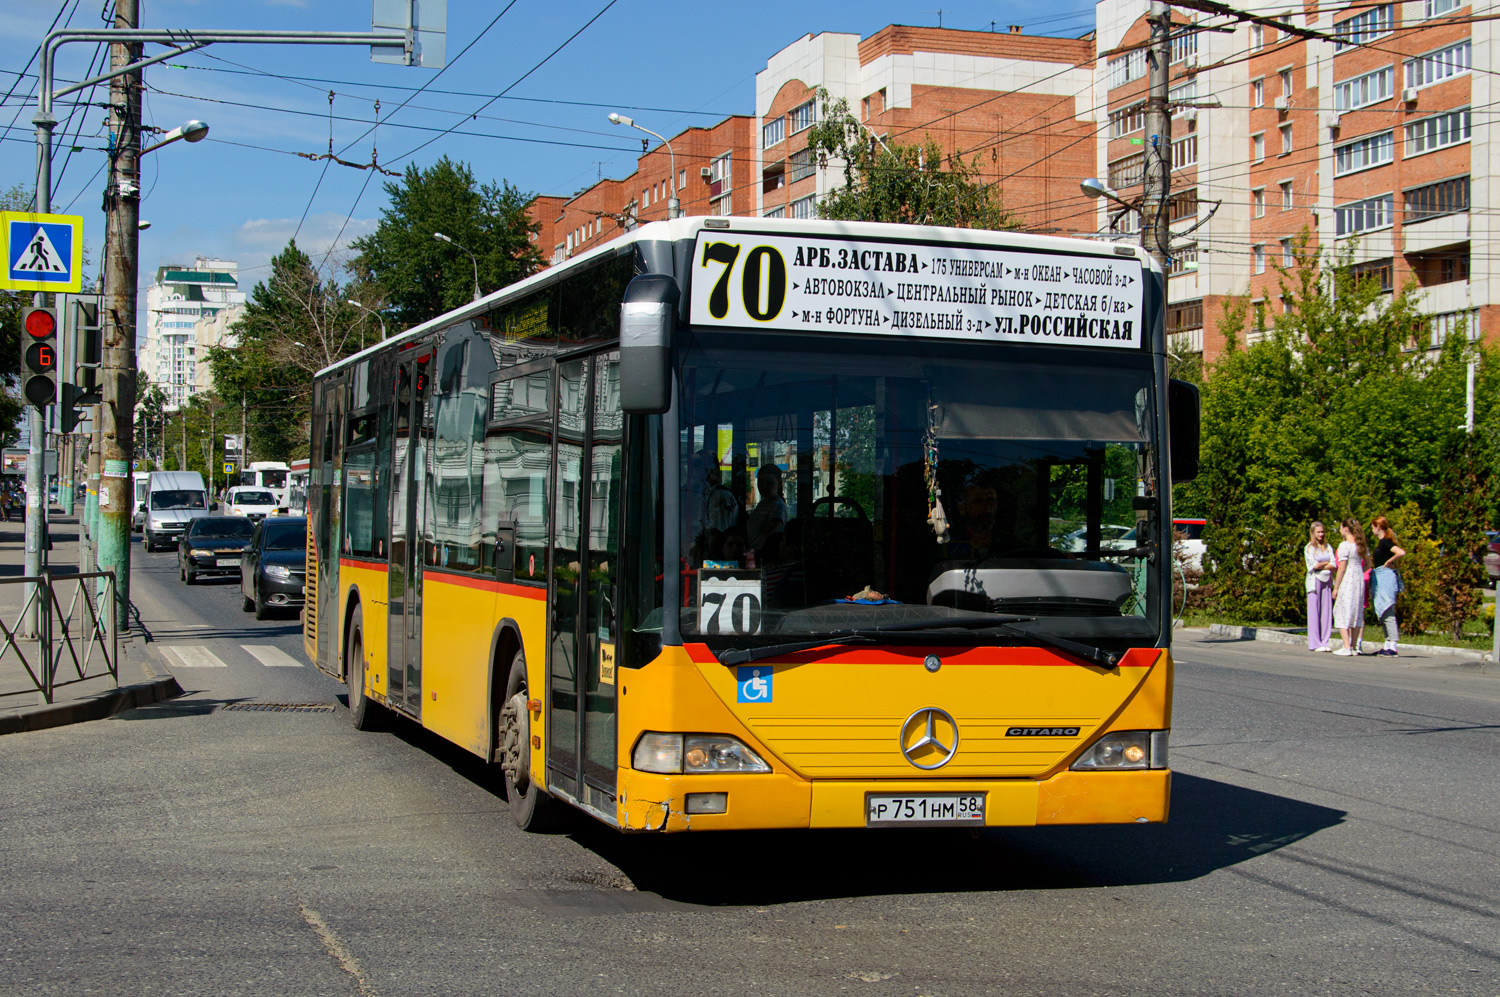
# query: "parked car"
(212, 546)
(273, 573)
(1194, 547)
(1492, 556)
(253, 503)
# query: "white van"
(173, 499)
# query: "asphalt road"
(1334, 830)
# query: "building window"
(1443, 198)
(777, 212)
(1183, 93)
(1127, 172)
(1286, 195)
(800, 165)
(1123, 68)
(804, 207)
(1183, 316)
(1258, 202)
(1363, 216)
(1374, 23)
(1288, 255)
(1184, 151)
(803, 116)
(720, 175)
(1437, 8)
(1184, 44)
(1286, 83)
(1183, 260)
(1286, 139)
(772, 132)
(1130, 119)
(1362, 91)
(681, 185)
(1183, 204)
(1257, 37)
(1449, 323)
(1257, 93)
(1372, 150)
(1259, 253)
(1437, 132)
(1435, 67)
(1380, 271)
(1258, 146)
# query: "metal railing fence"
(75, 640)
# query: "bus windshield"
(831, 488)
(272, 479)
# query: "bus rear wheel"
(530, 805)
(365, 713)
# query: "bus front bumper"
(650, 802)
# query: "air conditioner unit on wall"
(1409, 95)
(1190, 114)
(1283, 103)
(705, 172)
(1333, 121)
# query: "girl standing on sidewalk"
(1319, 558)
(1385, 582)
(1349, 586)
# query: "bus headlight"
(694, 754)
(1124, 750)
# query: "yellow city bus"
(751, 523)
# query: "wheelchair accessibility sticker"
(754, 682)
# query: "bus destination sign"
(908, 289)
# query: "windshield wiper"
(865, 635)
(1006, 624)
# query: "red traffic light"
(40, 323)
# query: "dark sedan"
(275, 566)
(212, 546)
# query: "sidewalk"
(1408, 655)
(83, 689)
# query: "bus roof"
(681, 229)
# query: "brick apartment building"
(1368, 142)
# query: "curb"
(1283, 637)
(91, 708)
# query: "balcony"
(1431, 234)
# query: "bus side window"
(517, 469)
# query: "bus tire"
(364, 713)
(530, 805)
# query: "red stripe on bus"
(351, 562)
(487, 585)
(950, 655)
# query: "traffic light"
(80, 391)
(39, 356)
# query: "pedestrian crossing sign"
(42, 252)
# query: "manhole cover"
(279, 708)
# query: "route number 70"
(762, 280)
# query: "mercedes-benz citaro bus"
(753, 523)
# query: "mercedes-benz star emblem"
(929, 738)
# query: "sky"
(248, 188)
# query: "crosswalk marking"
(272, 656)
(192, 656)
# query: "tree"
(892, 182)
(1331, 413)
(295, 323)
(422, 277)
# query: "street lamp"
(674, 207)
(440, 237)
(1094, 187)
(192, 131)
(371, 311)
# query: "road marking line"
(192, 656)
(272, 656)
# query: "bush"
(1420, 607)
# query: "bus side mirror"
(648, 315)
(1184, 411)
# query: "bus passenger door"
(404, 631)
(582, 752)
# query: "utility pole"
(244, 440)
(117, 410)
(1156, 232)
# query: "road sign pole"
(117, 408)
(36, 479)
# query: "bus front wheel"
(530, 805)
(365, 713)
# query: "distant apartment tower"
(1366, 144)
(1019, 103)
(179, 299)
